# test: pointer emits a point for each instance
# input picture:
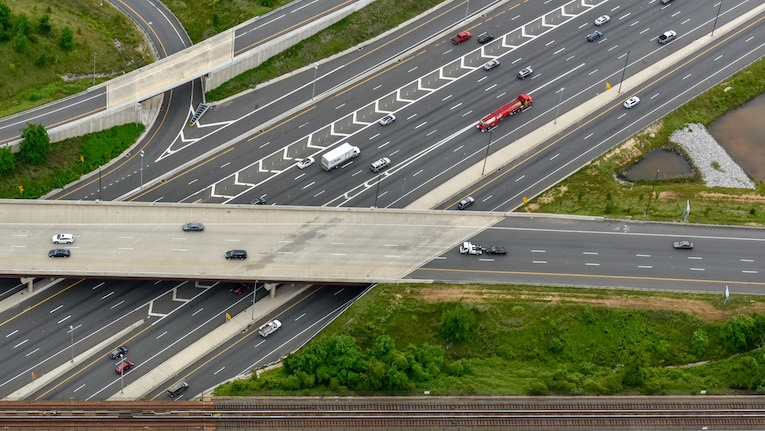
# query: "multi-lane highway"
(438, 92)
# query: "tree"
(7, 161)
(43, 25)
(35, 145)
(5, 17)
(737, 333)
(456, 324)
(66, 41)
(699, 342)
(23, 25)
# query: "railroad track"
(393, 413)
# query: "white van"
(379, 164)
(269, 328)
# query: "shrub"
(736, 333)
(699, 342)
(7, 161)
(43, 25)
(5, 17)
(35, 145)
(456, 324)
(66, 40)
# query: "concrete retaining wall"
(255, 57)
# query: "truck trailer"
(335, 157)
(520, 104)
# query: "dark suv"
(119, 352)
(236, 254)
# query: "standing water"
(742, 133)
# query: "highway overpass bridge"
(284, 244)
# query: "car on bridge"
(59, 252)
(193, 227)
(236, 254)
(258, 201)
(63, 238)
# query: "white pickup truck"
(470, 248)
(667, 37)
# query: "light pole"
(254, 294)
(377, 193)
(71, 345)
(94, 68)
(487, 153)
(718, 16)
(651, 195)
(122, 374)
(99, 183)
(558, 107)
(467, 9)
(315, 71)
(624, 71)
(141, 169)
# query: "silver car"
(384, 121)
(491, 64)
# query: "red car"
(461, 37)
(124, 366)
(240, 289)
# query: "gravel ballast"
(704, 150)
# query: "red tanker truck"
(521, 103)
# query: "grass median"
(595, 191)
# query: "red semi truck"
(521, 103)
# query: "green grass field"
(535, 341)
(102, 30)
(594, 191)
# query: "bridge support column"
(30, 282)
(271, 288)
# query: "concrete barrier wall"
(254, 57)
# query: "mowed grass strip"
(594, 191)
(375, 19)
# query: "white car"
(308, 161)
(63, 238)
(491, 64)
(384, 121)
(631, 102)
(602, 20)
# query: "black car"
(594, 36)
(193, 227)
(496, 249)
(119, 352)
(485, 37)
(59, 252)
(665, 2)
(236, 254)
(258, 201)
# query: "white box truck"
(335, 157)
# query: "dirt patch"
(698, 308)
(668, 196)
(626, 152)
(732, 198)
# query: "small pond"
(668, 163)
(742, 133)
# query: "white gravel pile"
(704, 150)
